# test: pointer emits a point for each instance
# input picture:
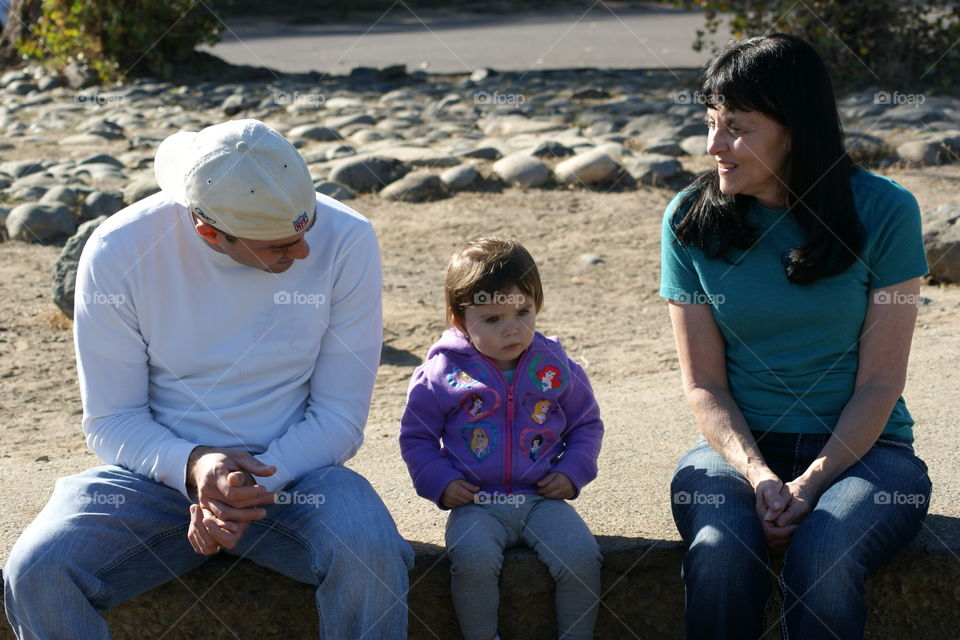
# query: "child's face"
(502, 329)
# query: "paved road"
(595, 37)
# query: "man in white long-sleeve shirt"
(228, 334)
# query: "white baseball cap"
(241, 176)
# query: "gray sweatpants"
(476, 536)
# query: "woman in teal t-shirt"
(792, 277)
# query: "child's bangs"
(502, 280)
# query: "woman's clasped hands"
(781, 508)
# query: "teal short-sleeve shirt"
(792, 351)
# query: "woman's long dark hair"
(782, 77)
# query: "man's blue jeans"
(109, 534)
(862, 520)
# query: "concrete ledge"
(916, 595)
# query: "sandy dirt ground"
(608, 315)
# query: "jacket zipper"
(508, 430)
(508, 435)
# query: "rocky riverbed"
(74, 152)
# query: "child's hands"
(557, 486)
(458, 493)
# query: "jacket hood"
(452, 340)
(455, 341)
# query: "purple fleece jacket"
(502, 438)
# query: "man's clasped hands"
(226, 496)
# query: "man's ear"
(206, 231)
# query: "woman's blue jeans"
(108, 534)
(862, 520)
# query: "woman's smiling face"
(751, 150)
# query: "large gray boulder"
(513, 125)
(522, 170)
(139, 189)
(864, 147)
(334, 190)
(37, 222)
(652, 169)
(694, 145)
(39, 179)
(365, 136)
(103, 127)
(588, 168)
(551, 149)
(101, 158)
(64, 195)
(368, 173)
(339, 122)
(941, 240)
(420, 156)
(414, 187)
(459, 177)
(924, 152)
(653, 126)
(314, 132)
(65, 268)
(666, 147)
(483, 153)
(21, 168)
(237, 102)
(29, 189)
(101, 203)
(338, 152)
(918, 152)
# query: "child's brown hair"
(485, 268)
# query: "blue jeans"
(476, 536)
(864, 518)
(109, 534)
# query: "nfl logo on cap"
(300, 222)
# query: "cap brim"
(168, 164)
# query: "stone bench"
(917, 595)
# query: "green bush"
(892, 43)
(121, 39)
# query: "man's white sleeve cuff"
(172, 467)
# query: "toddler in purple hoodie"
(501, 427)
